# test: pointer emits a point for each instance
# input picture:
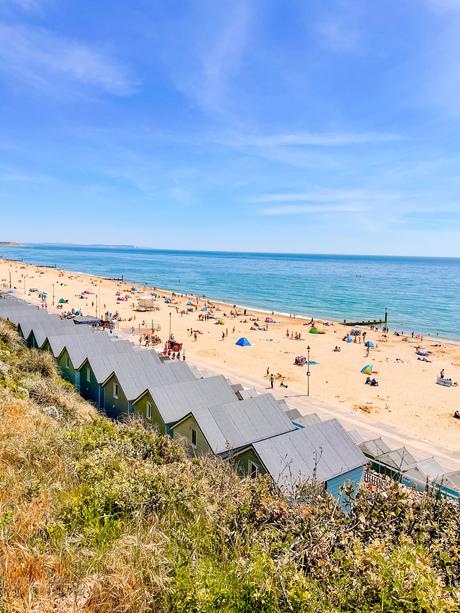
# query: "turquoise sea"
(421, 294)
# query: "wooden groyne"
(369, 322)
(114, 278)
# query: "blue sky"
(259, 125)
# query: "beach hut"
(89, 383)
(225, 428)
(243, 342)
(134, 374)
(394, 463)
(323, 452)
(165, 405)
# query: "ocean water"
(421, 294)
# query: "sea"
(420, 294)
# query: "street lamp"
(53, 294)
(170, 316)
(308, 370)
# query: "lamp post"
(10, 279)
(53, 294)
(170, 316)
(308, 370)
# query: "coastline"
(418, 292)
(407, 398)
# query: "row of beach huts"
(256, 432)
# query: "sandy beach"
(407, 397)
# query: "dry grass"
(106, 517)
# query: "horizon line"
(230, 251)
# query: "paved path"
(351, 420)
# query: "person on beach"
(441, 374)
(282, 383)
(272, 380)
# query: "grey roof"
(400, 459)
(356, 436)
(20, 315)
(292, 458)
(42, 334)
(138, 371)
(308, 420)
(237, 424)
(451, 480)
(293, 414)
(175, 401)
(374, 448)
(83, 346)
(426, 469)
(247, 392)
(58, 339)
(51, 324)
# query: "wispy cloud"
(303, 209)
(25, 5)
(444, 6)
(39, 57)
(315, 139)
(208, 63)
(337, 36)
(327, 201)
(330, 195)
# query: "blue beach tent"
(369, 344)
(349, 339)
(243, 342)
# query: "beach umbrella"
(423, 352)
(61, 300)
(189, 303)
(243, 342)
(368, 369)
(349, 339)
(314, 331)
(369, 344)
(203, 308)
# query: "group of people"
(294, 336)
(272, 378)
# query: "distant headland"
(10, 244)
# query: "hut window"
(193, 437)
(115, 390)
(253, 470)
(88, 374)
(149, 410)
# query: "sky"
(313, 126)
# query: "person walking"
(272, 380)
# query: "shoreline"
(223, 302)
(407, 397)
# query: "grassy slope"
(101, 516)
